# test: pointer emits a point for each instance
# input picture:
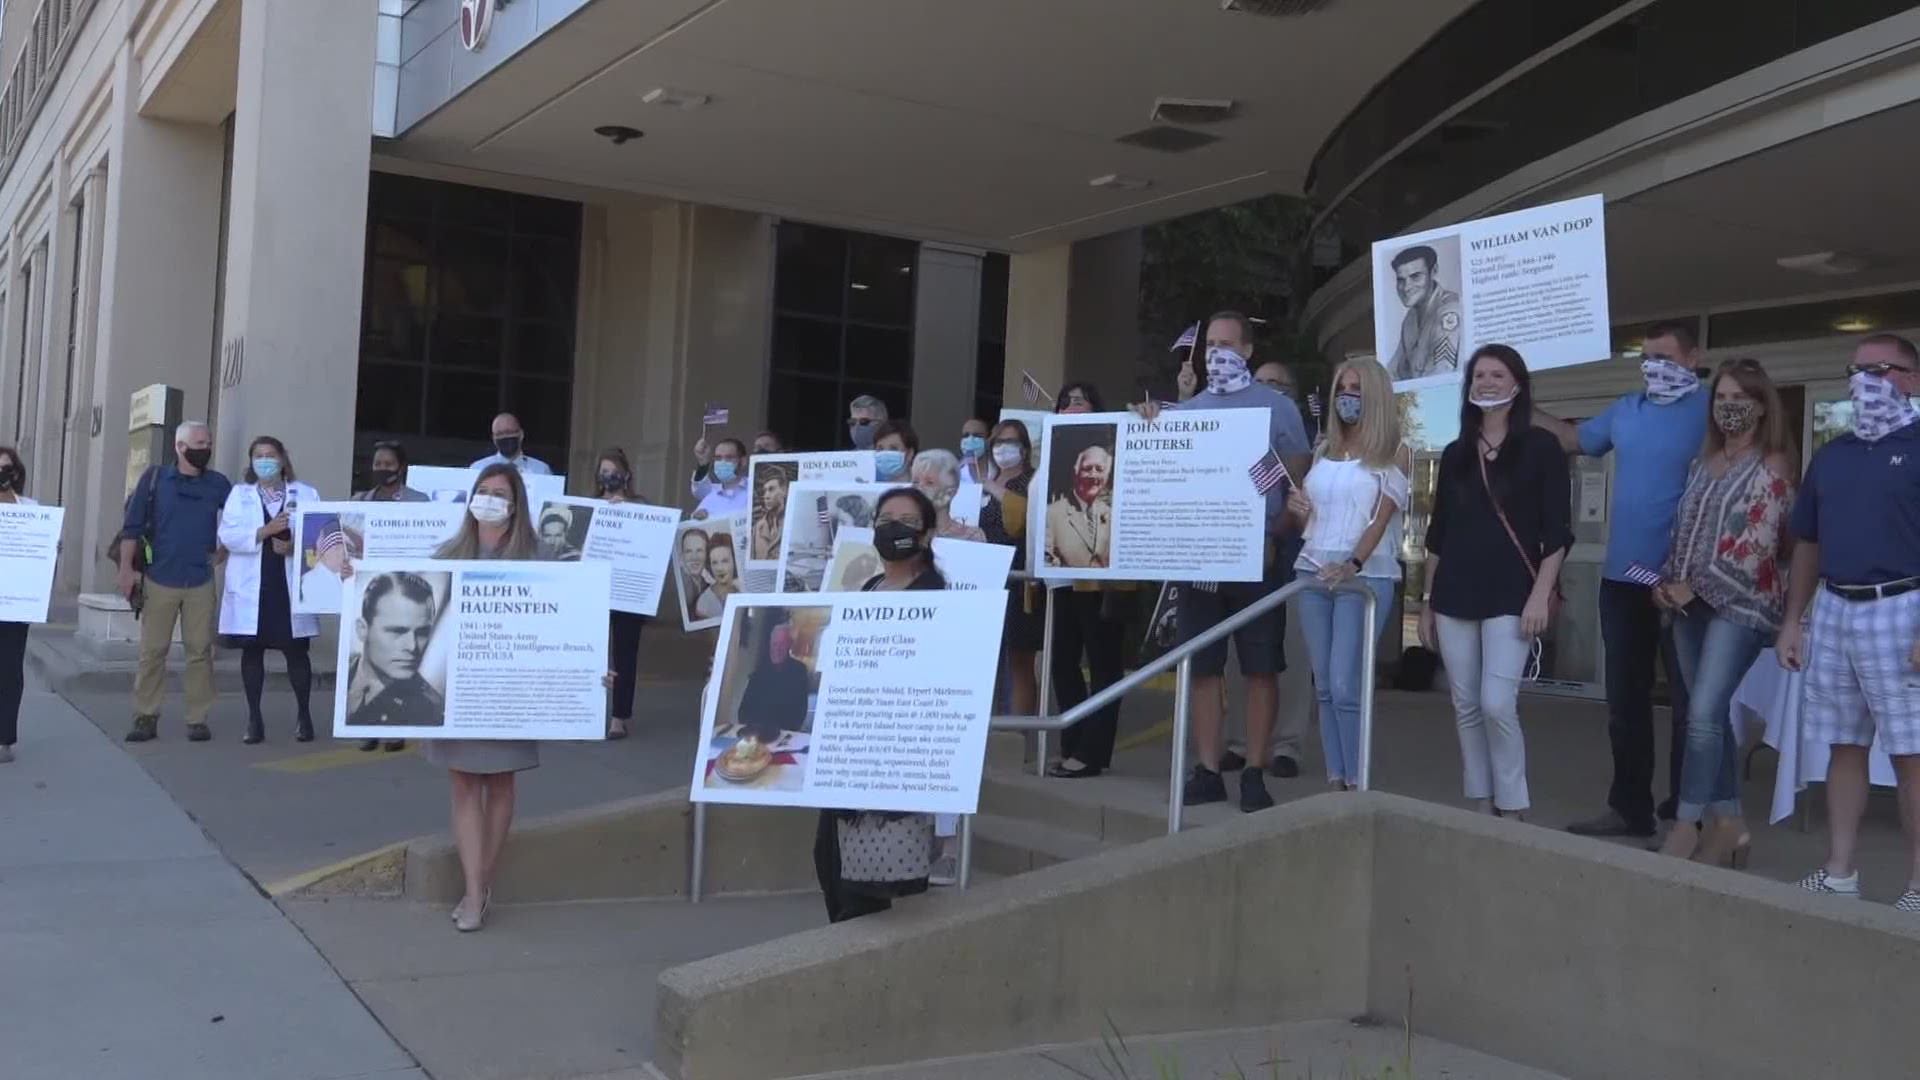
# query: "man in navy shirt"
(174, 514)
(1654, 436)
(1857, 521)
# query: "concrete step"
(1104, 809)
(1003, 845)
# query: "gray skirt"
(483, 755)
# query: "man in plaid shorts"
(1858, 561)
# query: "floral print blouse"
(1726, 541)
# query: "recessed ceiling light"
(1117, 182)
(619, 133)
(1854, 324)
(661, 95)
(1178, 110)
(861, 285)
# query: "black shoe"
(144, 729)
(1060, 771)
(1253, 791)
(1232, 762)
(303, 730)
(1204, 786)
(198, 733)
(394, 744)
(1284, 767)
(1611, 824)
(256, 732)
(369, 744)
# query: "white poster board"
(29, 548)
(480, 649)
(816, 512)
(443, 483)
(708, 557)
(770, 475)
(635, 538)
(966, 564)
(335, 534)
(1534, 279)
(865, 701)
(1171, 499)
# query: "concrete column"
(296, 235)
(1038, 288)
(160, 223)
(946, 342)
(1103, 315)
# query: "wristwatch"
(1357, 564)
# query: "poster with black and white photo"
(966, 564)
(879, 701)
(771, 475)
(1177, 498)
(1534, 279)
(29, 550)
(635, 538)
(473, 649)
(708, 554)
(816, 512)
(333, 535)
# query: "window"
(842, 327)
(1817, 319)
(990, 356)
(469, 308)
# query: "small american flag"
(1313, 404)
(1031, 389)
(715, 415)
(820, 505)
(1268, 472)
(1640, 575)
(1186, 340)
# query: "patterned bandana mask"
(1879, 408)
(1667, 382)
(1226, 370)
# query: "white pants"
(1485, 660)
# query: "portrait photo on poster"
(767, 687)
(1078, 526)
(769, 482)
(816, 512)
(390, 681)
(562, 530)
(1421, 330)
(707, 567)
(328, 545)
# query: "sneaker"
(1204, 786)
(1611, 824)
(1822, 882)
(1253, 791)
(946, 871)
(1909, 902)
(144, 729)
(1232, 761)
(1284, 768)
(198, 733)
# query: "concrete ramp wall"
(1571, 955)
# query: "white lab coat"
(240, 523)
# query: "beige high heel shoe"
(1727, 843)
(1683, 840)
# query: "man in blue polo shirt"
(1654, 435)
(174, 513)
(1858, 560)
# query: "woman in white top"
(1355, 495)
(263, 576)
(13, 635)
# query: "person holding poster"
(894, 447)
(1430, 333)
(389, 469)
(903, 534)
(256, 608)
(1004, 521)
(722, 489)
(615, 475)
(975, 466)
(1230, 385)
(937, 474)
(509, 443)
(1501, 527)
(13, 635)
(1351, 505)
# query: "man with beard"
(1080, 523)
(1430, 334)
(384, 686)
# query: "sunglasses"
(1881, 370)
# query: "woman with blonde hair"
(1351, 511)
(936, 473)
(1725, 585)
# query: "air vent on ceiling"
(1176, 110)
(1170, 140)
(1279, 9)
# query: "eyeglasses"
(1877, 369)
(861, 421)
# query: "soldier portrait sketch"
(1429, 342)
(386, 686)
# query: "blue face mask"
(266, 468)
(972, 445)
(725, 471)
(890, 463)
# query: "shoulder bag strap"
(1532, 571)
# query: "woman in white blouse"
(1352, 504)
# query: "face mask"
(1879, 408)
(890, 463)
(198, 458)
(1226, 370)
(508, 445)
(266, 468)
(1347, 407)
(896, 540)
(725, 471)
(972, 445)
(863, 435)
(941, 498)
(1484, 403)
(385, 477)
(1735, 417)
(9, 477)
(489, 509)
(1667, 382)
(1007, 455)
(613, 481)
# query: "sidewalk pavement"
(131, 948)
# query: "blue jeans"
(1332, 624)
(1714, 656)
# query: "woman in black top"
(1499, 532)
(1003, 518)
(903, 527)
